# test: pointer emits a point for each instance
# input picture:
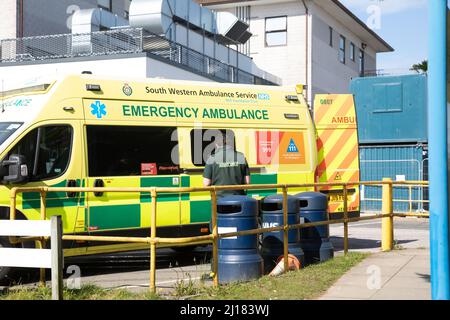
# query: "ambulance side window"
(46, 150)
(132, 151)
(203, 145)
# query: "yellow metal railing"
(386, 215)
(410, 200)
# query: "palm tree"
(420, 67)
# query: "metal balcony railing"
(122, 41)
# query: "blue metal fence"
(400, 163)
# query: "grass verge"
(307, 283)
(87, 292)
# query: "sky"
(402, 23)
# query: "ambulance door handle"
(99, 183)
(71, 184)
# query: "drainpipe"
(307, 50)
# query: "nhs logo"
(263, 96)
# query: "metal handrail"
(125, 40)
(387, 216)
(410, 199)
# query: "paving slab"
(395, 275)
(349, 292)
(402, 294)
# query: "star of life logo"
(98, 109)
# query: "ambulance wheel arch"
(4, 214)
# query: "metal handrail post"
(43, 196)
(153, 244)
(410, 199)
(215, 232)
(12, 204)
(345, 192)
(285, 230)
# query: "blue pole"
(437, 124)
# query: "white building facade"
(314, 42)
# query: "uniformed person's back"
(226, 167)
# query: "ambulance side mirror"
(17, 169)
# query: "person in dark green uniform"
(226, 167)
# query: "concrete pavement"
(397, 275)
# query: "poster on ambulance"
(280, 147)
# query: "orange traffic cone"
(293, 264)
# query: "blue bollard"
(315, 241)
(239, 259)
(272, 243)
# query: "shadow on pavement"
(123, 262)
(426, 277)
(355, 243)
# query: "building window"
(361, 62)
(276, 31)
(352, 51)
(126, 11)
(132, 151)
(105, 4)
(342, 49)
(331, 36)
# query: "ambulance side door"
(130, 156)
(51, 150)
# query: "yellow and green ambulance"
(88, 131)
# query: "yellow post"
(345, 194)
(215, 232)
(12, 206)
(43, 205)
(286, 230)
(387, 224)
(153, 244)
(410, 199)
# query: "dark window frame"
(352, 51)
(126, 11)
(105, 8)
(330, 41)
(192, 133)
(362, 67)
(275, 31)
(69, 160)
(342, 49)
(98, 174)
